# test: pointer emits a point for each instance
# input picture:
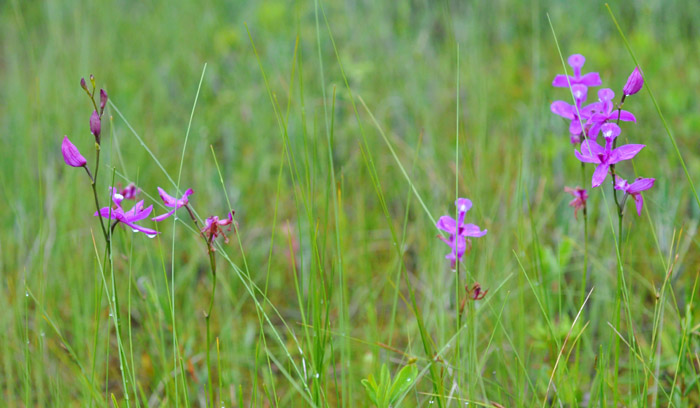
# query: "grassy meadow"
(340, 132)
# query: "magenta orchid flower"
(576, 62)
(579, 201)
(213, 228)
(172, 202)
(458, 231)
(129, 218)
(592, 152)
(71, 155)
(606, 112)
(635, 189)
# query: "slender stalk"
(585, 236)
(212, 263)
(207, 314)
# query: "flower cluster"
(603, 116)
(458, 231)
(116, 213)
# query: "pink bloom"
(635, 189)
(71, 155)
(137, 213)
(576, 62)
(592, 152)
(458, 231)
(172, 202)
(579, 201)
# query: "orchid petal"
(447, 224)
(168, 200)
(164, 216)
(563, 109)
(591, 79)
(639, 201)
(472, 230)
(625, 152)
(641, 184)
(624, 116)
(147, 231)
(599, 174)
(560, 81)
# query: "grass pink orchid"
(576, 62)
(635, 189)
(129, 218)
(604, 157)
(458, 231)
(172, 202)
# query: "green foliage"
(387, 392)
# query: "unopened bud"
(103, 100)
(71, 155)
(634, 83)
(95, 126)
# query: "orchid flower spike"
(635, 189)
(71, 155)
(172, 202)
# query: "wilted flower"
(635, 189)
(95, 125)
(592, 152)
(576, 62)
(579, 201)
(172, 202)
(71, 155)
(634, 83)
(458, 231)
(212, 228)
(137, 213)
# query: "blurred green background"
(401, 59)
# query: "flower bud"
(95, 126)
(71, 155)
(634, 83)
(83, 84)
(92, 81)
(103, 100)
